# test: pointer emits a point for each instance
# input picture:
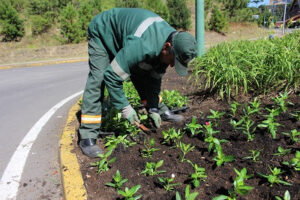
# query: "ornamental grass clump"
(256, 67)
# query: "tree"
(69, 25)
(11, 24)
(129, 3)
(231, 6)
(217, 21)
(180, 16)
(159, 7)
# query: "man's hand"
(130, 114)
(155, 117)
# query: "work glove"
(155, 117)
(130, 114)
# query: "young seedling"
(236, 124)
(286, 196)
(167, 182)
(215, 116)
(210, 139)
(221, 158)
(149, 148)
(187, 195)
(117, 181)
(294, 162)
(151, 168)
(234, 107)
(273, 177)
(113, 141)
(172, 137)
(253, 108)
(193, 127)
(247, 128)
(296, 115)
(239, 187)
(185, 148)
(198, 175)
(270, 122)
(281, 101)
(128, 194)
(173, 99)
(254, 155)
(282, 152)
(103, 164)
(294, 136)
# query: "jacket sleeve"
(119, 70)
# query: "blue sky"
(256, 5)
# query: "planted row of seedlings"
(245, 121)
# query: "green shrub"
(69, 24)
(40, 24)
(12, 27)
(129, 3)
(180, 16)
(39, 7)
(159, 7)
(86, 13)
(217, 21)
(243, 15)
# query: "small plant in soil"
(151, 168)
(253, 108)
(103, 164)
(254, 155)
(187, 195)
(281, 101)
(173, 99)
(296, 115)
(270, 123)
(221, 158)
(194, 128)
(198, 175)
(239, 187)
(149, 148)
(294, 136)
(286, 196)
(210, 139)
(294, 162)
(273, 177)
(172, 137)
(128, 194)
(234, 108)
(167, 182)
(117, 181)
(282, 152)
(185, 148)
(112, 141)
(215, 116)
(247, 128)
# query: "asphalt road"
(34, 101)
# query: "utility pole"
(284, 17)
(200, 27)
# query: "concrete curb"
(42, 63)
(73, 183)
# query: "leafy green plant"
(185, 148)
(281, 151)
(296, 115)
(270, 123)
(128, 194)
(180, 15)
(247, 128)
(239, 187)
(254, 155)
(172, 137)
(198, 175)
(234, 108)
(281, 101)
(286, 196)
(294, 162)
(173, 99)
(151, 168)
(252, 108)
(210, 139)
(194, 128)
(221, 158)
(149, 148)
(187, 195)
(215, 116)
(273, 177)
(167, 182)
(112, 141)
(117, 181)
(103, 164)
(294, 135)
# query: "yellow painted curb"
(71, 176)
(42, 63)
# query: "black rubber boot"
(168, 116)
(90, 148)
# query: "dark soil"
(219, 179)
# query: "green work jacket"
(133, 39)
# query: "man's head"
(179, 51)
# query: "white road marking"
(11, 177)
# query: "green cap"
(185, 49)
